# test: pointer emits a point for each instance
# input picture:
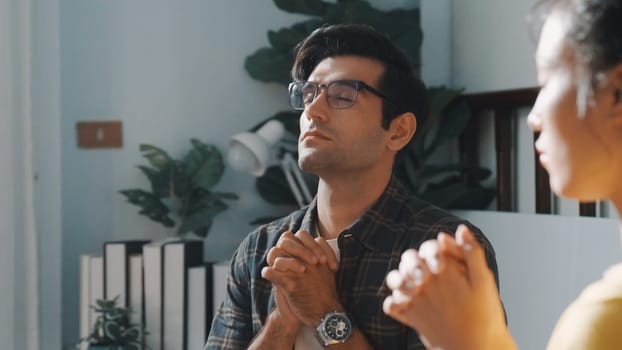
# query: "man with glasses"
(315, 278)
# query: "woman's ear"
(401, 131)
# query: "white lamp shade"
(251, 152)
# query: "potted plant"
(112, 329)
(181, 194)
(451, 186)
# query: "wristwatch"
(335, 328)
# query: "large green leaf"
(451, 125)
(356, 11)
(410, 42)
(159, 180)
(201, 199)
(290, 120)
(395, 23)
(426, 140)
(458, 195)
(224, 195)
(180, 179)
(448, 118)
(406, 171)
(151, 206)
(202, 231)
(307, 7)
(440, 97)
(434, 170)
(269, 65)
(205, 164)
(285, 39)
(157, 157)
(403, 27)
(307, 26)
(273, 187)
(202, 218)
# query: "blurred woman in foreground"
(451, 298)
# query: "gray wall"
(47, 165)
(491, 45)
(545, 261)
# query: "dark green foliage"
(182, 188)
(273, 187)
(450, 186)
(272, 64)
(306, 7)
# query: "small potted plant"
(112, 329)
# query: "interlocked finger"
(288, 264)
(292, 246)
(310, 243)
(429, 252)
(273, 253)
(411, 269)
(332, 261)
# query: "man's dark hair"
(398, 83)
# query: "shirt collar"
(371, 228)
(309, 219)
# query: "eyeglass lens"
(339, 94)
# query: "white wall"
(30, 72)
(545, 261)
(47, 166)
(492, 48)
(436, 48)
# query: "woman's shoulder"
(594, 319)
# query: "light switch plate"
(99, 134)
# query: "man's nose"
(318, 108)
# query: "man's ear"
(401, 130)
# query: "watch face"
(338, 327)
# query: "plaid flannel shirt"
(369, 249)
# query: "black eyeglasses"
(340, 94)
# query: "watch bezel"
(326, 336)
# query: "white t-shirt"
(306, 340)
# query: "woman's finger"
(478, 270)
